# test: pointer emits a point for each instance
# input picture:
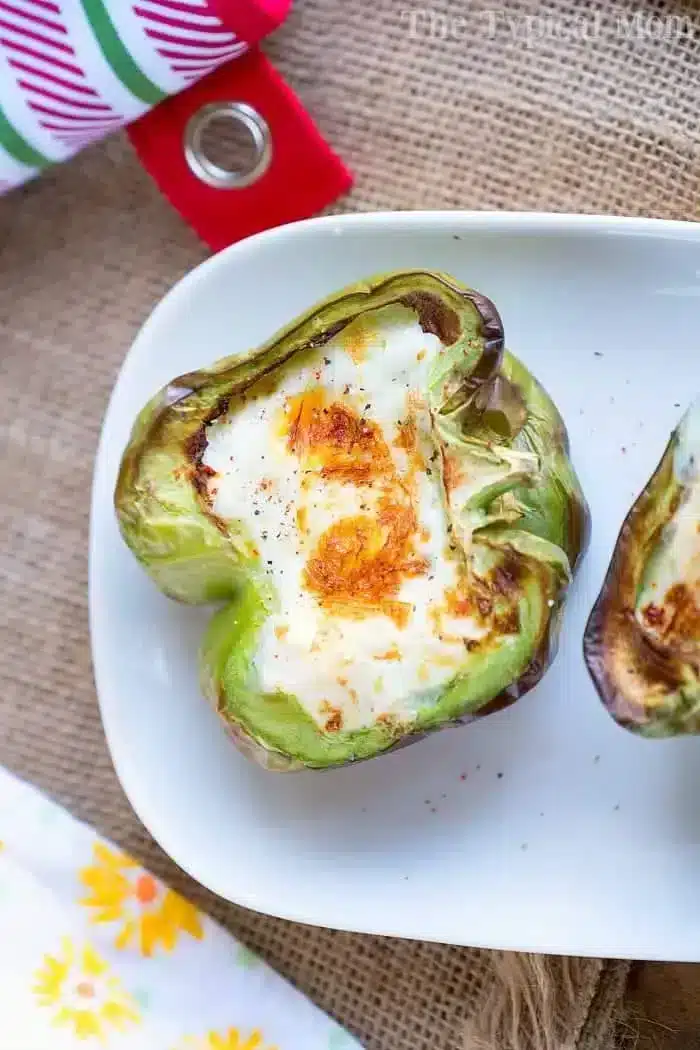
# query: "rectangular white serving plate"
(545, 827)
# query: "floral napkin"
(95, 951)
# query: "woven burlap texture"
(552, 106)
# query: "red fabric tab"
(303, 177)
(250, 20)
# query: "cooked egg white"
(336, 477)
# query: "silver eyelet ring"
(205, 169)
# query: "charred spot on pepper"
(506, 578)
(680, 616)
(651, 662)
(434, 316)
(195, 445)
(508, 622)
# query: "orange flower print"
(150, 914)
(78, 986)
(232, 1039)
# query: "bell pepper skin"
(642, 639)
(510, 502)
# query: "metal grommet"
(213, 174)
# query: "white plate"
(545, 827)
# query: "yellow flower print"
(149, 913)
(78, 984)
(228, 1040)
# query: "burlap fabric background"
(528, 105)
